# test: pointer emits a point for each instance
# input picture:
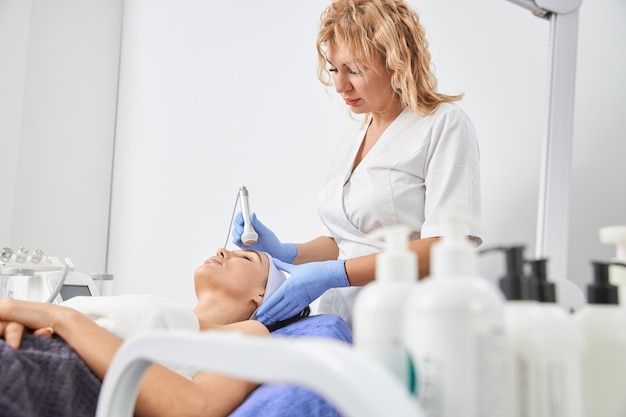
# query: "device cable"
(232, 218)
(60, 282)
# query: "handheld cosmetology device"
(249, 235)
(42, 278)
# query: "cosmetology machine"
(35, 277)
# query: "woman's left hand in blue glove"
(306, 283)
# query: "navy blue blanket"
(45, 377)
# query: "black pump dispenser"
(541, 289)
(601, 291)
(514, 284)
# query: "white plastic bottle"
(454, 331)
(544, 345)
(603, 325)
(560, 369)
(379, 307)
(526, 333)
(616, 235)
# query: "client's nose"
(223, 252)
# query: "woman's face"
(241, 273)
(364, 92)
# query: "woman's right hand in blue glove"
(266, 242)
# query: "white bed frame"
(353, 383)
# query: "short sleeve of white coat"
(422, 170)
(452, 175)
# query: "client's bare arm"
(162, 392)
(207, 395)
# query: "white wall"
(58, 91)
(214, 96)
(14, 30)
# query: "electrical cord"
(232, 218)
(60, 282)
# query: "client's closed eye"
(249, 255)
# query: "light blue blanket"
(278, 400)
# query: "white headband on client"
(275, 279)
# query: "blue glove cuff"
(341, 274)
(289, 252)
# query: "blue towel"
(282, 400)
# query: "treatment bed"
(307, 368)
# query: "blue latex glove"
(306, 283)
(266, 242)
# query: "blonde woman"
(411, 159)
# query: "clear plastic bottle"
(454, 330)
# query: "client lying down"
(229, 287)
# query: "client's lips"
(351, 101)
(214, 259)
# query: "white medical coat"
(422, 170)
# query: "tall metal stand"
(554, 187)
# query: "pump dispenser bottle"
(379, 307)
(454, 331)
(544, 346)
(603, 325)
(540, 288)
(616, 235)
(513, 283)
(567, 345)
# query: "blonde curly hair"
(368, 29)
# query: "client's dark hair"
(282, 323)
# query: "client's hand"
(306, 283)
(12, 330)
(267, 241)
(12, 333)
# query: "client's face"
(240, 272)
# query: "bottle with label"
(543, 344)
(379, 307)
(563, 392)
(603, 325)
(454, 331)
(525, 333)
